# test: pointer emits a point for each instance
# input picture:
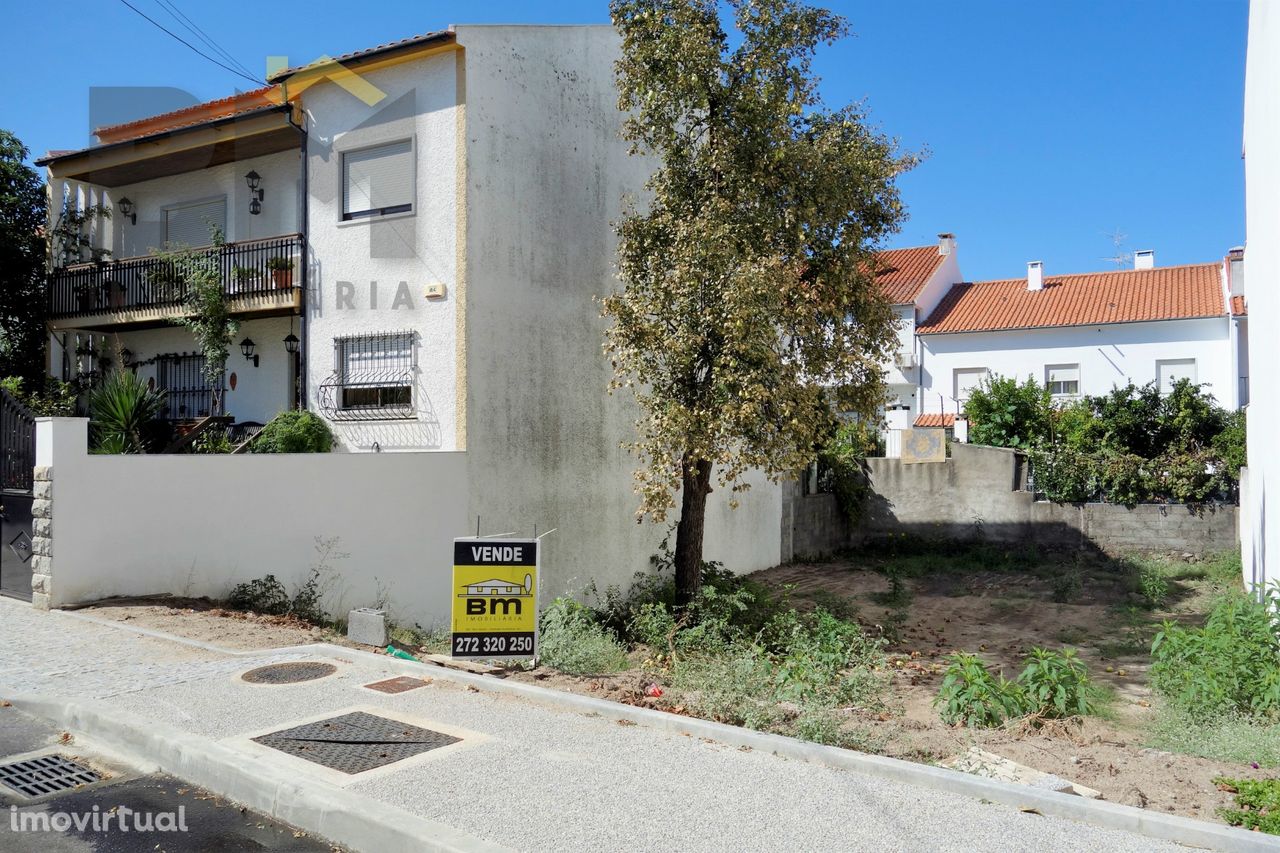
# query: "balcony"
(262, 278)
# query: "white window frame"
(199, 202)
(1062, 394)
(955, 380)
(375, 216)
(1162, 362)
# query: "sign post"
(495, 594)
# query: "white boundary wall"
(196, 525)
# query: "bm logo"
(497, 597)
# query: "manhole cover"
(399, 684)
(289, 673)
(46, 774)
(356, 742)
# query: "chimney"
(1035, 275)
(1144, 259)
(946, 243)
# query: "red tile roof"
(923, 421)
(241, 102)
(1239, 308)
(904, 272)
(1123, 296)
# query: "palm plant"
(120, 412)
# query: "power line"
(196, 30)
(254, 80)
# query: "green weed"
(1052, 685)
(1258, 802)
(572, 641)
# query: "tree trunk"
(695, 486)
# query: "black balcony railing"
(249, 268)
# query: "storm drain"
(356, 742)
(289, 673)
(46, 774)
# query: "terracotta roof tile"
(924, 421)
(1239, 307)
(1123, 296)
(241, 102)
(904, 272)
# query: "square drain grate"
(46, 774)
(399, 684)
(356, 742)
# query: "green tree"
(748, 314)
(198, 272)
(22, 264)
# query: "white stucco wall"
(197, 525)
(281, 176)
(904, 383)
(1108, 355)
(546, 171)
(1261, 511)
(381, 269)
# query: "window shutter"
(1064, 373)
(189, 226)
(378, 178)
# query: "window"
(378, 181)
(187, 391)
(1170, 370)
(373, 377)
(191, 224)
(1062, 380)
(967, 379)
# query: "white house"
(416, 237)
(1260, 490)
(1080, 334)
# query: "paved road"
(195, 820)
(527, 776)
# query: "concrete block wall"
(978, 493)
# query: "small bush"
(1004, 413)
(571, 641)
(1230, 665)
(970, 695)
(1053, 685)
(260, 595)
(294, 432)
(1151, 583)
(1258, 801)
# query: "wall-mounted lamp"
(256, 193)
(246, 348)
(126, 210)
(291, 344)
(126, 358)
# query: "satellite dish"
(528, 584)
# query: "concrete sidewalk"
(525, 776)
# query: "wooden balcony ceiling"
(179, 151)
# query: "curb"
(1100, 813)
(334, 814)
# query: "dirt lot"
(999, 614)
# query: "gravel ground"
(545, 779)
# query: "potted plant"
(245, 278)
(281, 271)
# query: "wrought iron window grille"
(188, 393)
(373, 378)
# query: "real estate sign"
(495, 594)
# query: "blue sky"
(1048, 125)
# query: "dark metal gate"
(17, 461)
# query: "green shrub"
(1063, 475)
(1052, 685)
(121, 411)
(970, 695)
(1149, 581)
(1124, 479)
(572, 641)
(1229, 445)
(260, 595)
(295, 431)
(841, 466)
(1003, 413)
(1230, 665)
(1258, 802)
(54, 399)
